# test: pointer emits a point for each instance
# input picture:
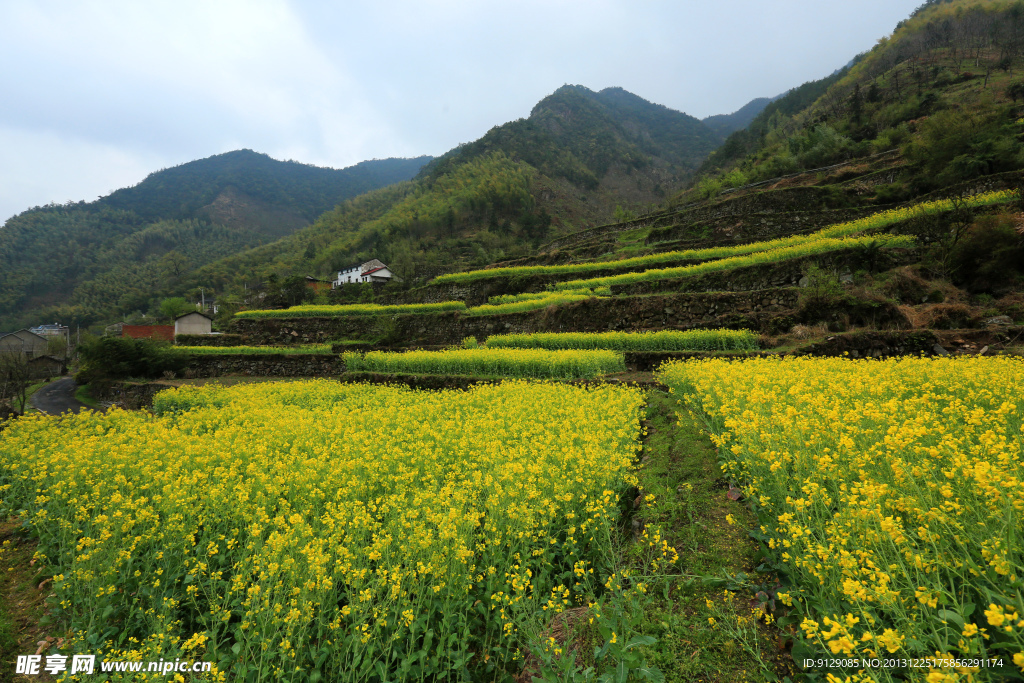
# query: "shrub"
(989, 255)
(123, 357)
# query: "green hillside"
(300, 191)
(580, 159)
(92, 262)
(771, 429)
(592, 140)
(724, 124)
(945, 90)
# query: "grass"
(32, 388)
(319, 349)
(665, 340)
(533, 296)
(24, 590)
(693, 511)
(318, 311)
(84, 394)
(533, 304)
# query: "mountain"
(96, 261)
(592, 140)
(723, 124)
(238, 188)
(941, 93)
(581, 158)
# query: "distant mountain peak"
(723, 124)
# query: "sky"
(95, 95)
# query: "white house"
(371, 271)
(193, 323)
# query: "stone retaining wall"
(730, 228)
(209, 340)
(758, 276)
(127, 395)
(769, 275)
(272, 365)
(676, 310)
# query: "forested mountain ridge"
(302, 190)
(581, 158)
(90, 262)
(944, 90)
(724, 124)
(588, 138)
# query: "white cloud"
(336, 83)
(204, 76)
(40, 168)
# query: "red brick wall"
(165, 332)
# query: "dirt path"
(58, 397)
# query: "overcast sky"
(96, 95)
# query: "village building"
(25, 342)
(371, 271)
(193, 323)
(51, 331)
(318, 285)
(33, 349)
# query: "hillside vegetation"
(944, 89)
(81, 263)
(823, 463)
(580, 158)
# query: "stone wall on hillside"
(874, 344)
(729, 229)
(770, 275)
(770, 201)
(127, 395)
(209, 340)
(789, 199)
(806, 200)
(603, 231)
(273, 365)
(760, 276)
(591, 315)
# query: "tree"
(449, 222)
(14, 376)
(124, 357)
(1016, 91)
(57, 347)
(173, 265)
(175, 306)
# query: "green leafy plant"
(124, 357)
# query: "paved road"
(58, 397)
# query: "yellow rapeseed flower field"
(892, 492)
(326, 531)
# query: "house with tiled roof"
(371, 271)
